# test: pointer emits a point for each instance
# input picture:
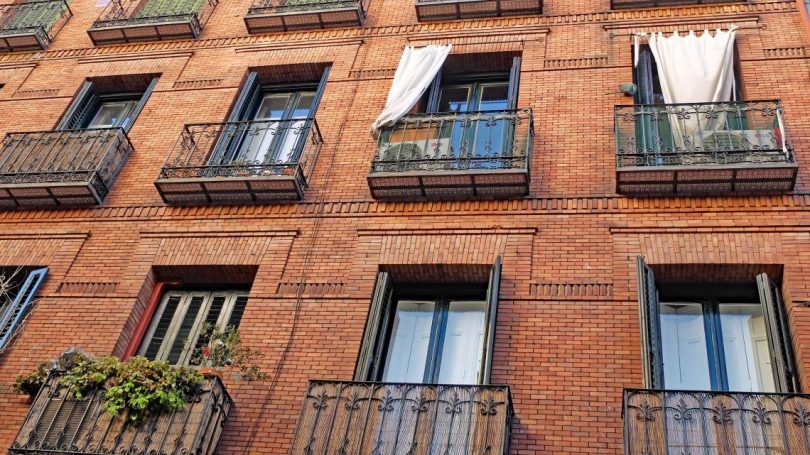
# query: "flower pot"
(210, 372)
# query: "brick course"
(568, 335)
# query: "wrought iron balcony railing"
(706, 148)
(663, 422)
(418, 419)
(267, 16)
(241, 162)
(60, 168)
(126, 21)
(639, 4)
(458, 155)
(31, 25)
(59, 423)
(443, 10)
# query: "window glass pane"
(494, 97)
(304, 103)
(684, 347)
(409, 342)
(463, 343)
(111, 114)
(746, 351)
(272, 106)
(454, 99)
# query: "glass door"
(278, 127)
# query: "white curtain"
(695, 69)
(417, 69)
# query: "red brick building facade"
(569, 336)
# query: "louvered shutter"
(514, 83)
(650, 326)
(130, 120)
(243, 110)
(84, 105)
(14, 313)
(160, 327)
(778, 335)
(493, 291)
(369, 358)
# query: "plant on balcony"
(136, 388)
(224, 352)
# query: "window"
(17, 291)
(269, 123)
(92, 109)
(175, 332)
(730, 337)
(428, 333)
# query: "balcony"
(269, 16)
(467, 155)
(640, 4)
(241, 162)
(660, 422)
(127, 21)
(60, 168)
(32, 25)
(703, 149)
(59, 423)
(364, 417)
(444, 10)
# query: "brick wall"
(567, 339)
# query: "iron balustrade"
(57, 422)
(740, 146)
(454, 155)
(638, 4)
(241, 162)
(61, 167)
(367, 417)
(440, 10)
(723, 423)
(124, 21)
(283, 15)
(31, 25)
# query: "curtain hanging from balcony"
(417, 69)
(695, 69)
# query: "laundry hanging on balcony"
(417, 69)
(694, 69)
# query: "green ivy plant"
(135, 389)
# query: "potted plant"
(223, 351)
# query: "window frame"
(179, 317)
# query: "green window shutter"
(130, 120)
(493, 291)
(13, 313)
(84, 105)
(369, 358)
(650, 326)
(243, 109)
(778, 335)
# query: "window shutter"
(83, 106)
(130, 120)
(14, 313)
(778, 334)
(650, 327)
(493, 291)
(246, 103)
(319, 93)
(367, 362)
(514, 83)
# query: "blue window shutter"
(243, 110)
(651, 326)
(493, 291)
(127, 125)
(14, 313)
(514, 83)
(83, 106)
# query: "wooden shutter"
(514, 83)
(369, 358)
(778, 335)
(130, 120)
(15, 311)
(493, 291)
(250, 95)
(650, 327)
(83, 106)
